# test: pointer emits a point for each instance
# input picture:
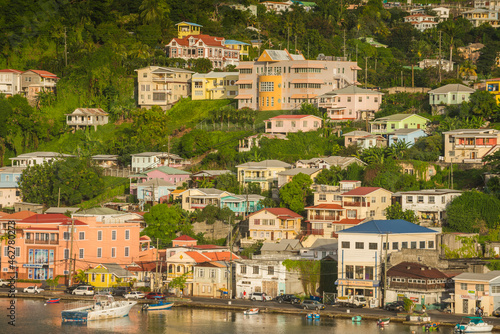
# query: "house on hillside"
(214, 85)
(370, 141)
(242, 205)
(199, 198)
(9, 186)
(37, 81)
(351, 138)
(10, 82)
(384, 125)
(154, 190)
(451, 94)
(273, 224)
(242, 47)
(83, 118)
(471, 52)
(366, 202)
(169, 174)
(445, 64)
(265, 173)
(283, 247)
(470, 145)
(321, 249)
(248, 143)
(105, 160)
(149, 160)
(409, 136)
(37, 158)
(285, 124)
(480, 16)
(287, 175)
(208, 175)
(328, 162)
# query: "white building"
(363, 249)
(148, 160)
(445, 64)
(37, 158)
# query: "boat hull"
(83, 314)
(160, 307)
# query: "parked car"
(73, 287)
(260, 296)
(33, 289)
(104, 292)
(135, 294)
(4, 283)
(155, 295)
(84, 290)
(288, 299)
(312, 305)
(398, 306)
(121, 290)
(496, 313)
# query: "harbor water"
(33, 316)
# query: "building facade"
(265, 173)
(284, 124)
(390, 123)
(214, 85)
(274, 224)
(83, 118)
(470, 145)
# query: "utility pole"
(65, 49)
(168, 152)
(295, 43)
(156, 276)
(307, 49)
(230, 285)
(385, 266)
(402, 82)
(439, 66)
(366, 71)
(71, 250)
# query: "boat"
(356, 318)
(383, 322)
(430, 327)
(103, 307)
(473, 325)
(312, 316)
(159, 305)
(251, 311)
(53, 301)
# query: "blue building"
(405, 135)
(242, 204)
(9, 189)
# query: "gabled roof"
(98, 212)
(452, 88)
(221, 256)
(278, 55)
(487, 277)
(283, 245)
(282, 213)
(62, 210)
(357, 133)
(235, 42)
(415, 270)
(398, 118)
(361, 191)
(19, 215)
(295, 171)
(185, 238)
(265, 164)
(8, 70)
(351, 90)
(326, 207)
(44, 74)
(197, 256)
(156, 182)
(112, 268)
(190, 23)
(51, 218)
(393, 226)
(293, 117)
(405, 131)
(89, 112)
(208, 173)
(167, 170)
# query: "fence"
(329, 298)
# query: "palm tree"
(80, 276)
(467, 70)
(153, 11)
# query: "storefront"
(39, 263)
(354, 287)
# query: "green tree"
(473, 211)
(179, 282)
(395, 211)
(493, 162)
(53, 282)
(294, 195)
(330, 176)
(482, 103)
(201, 65)
(154, 11)
(228, 182)
(80, 276)
(164, 221)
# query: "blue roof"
(232, 41)
(393, 226)
(190, 23)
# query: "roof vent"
(408, 267)
(423, 268)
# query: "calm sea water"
(33, 317)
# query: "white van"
(86, 290)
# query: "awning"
(244, 97)
(314, 81)
(356, 67)
(244, 82)
(308, 65)
(240, 66)
(303, 96)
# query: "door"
(418, 126)
(465, 306)
(272, 235)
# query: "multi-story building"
(273, 224)
(366, 202)
(279, 80)
(37, 158)
(265, 173)
(10, 82)
(470, 145)
(415, 18)
(474, 290)
(493, 86)
(449, 95)
(162, 86)
(445, 65)
(169, 174)
(480, 16)
(242, 205)
(199, 198)
(82, 118)
(429, 204)
(350, 103)
(409, 136)
(487, 4)
(242, 47)
(328, 162)
(149, 160)
(363, 250)
(214, 85)
(44, 244)
(9, 187)
(288, 175)
(277, 7)
(36, 81)
(390, 123)
(471, 52)
(185, 29)
(285, 124)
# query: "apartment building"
(83, 118)
(162, 86)
(10, 82)
(470, 145)
(147, 160)
(280, 80)
(265, 173)
(273, 224)
(214, 85)
(284, 124)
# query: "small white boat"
(160, 305)
(104, 307)
(251, 311)
(473, 325)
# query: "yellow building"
(214, 85)
(241, 46)
(187, 28)
(107, 275)
(493, 86)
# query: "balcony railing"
(41, 242)
(255, 179)
(322, 217)
(361, 204)
(174, 275)
(198, 206)
(473, 161)
(314, 231)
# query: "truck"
(351, 301)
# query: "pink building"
(285, 124)
(169, 174)
(43, 245)
(350, 103)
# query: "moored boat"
(356, 318)
(53, 300)
(312, 316)
(103, 307)
(473, 325)
(159, 305)
(383, 322)
(251, 311)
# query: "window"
(346, 244)
(113, 235)
(279, 124)
(413, 245)
(360, 245)
(351, 213)
(93, 277)
(99, 235)
(349, 272)
(372, 245)
(127, 234)
(294, 124)
(463, 286)
(99, 252)
(81, 236)
(66, 253)
(81, 253)
(126, 251)
(495, 289)
(348, 99)
(255, 270)
(422, 244)
(480, 287)
(211, 273)
(304, 124)
(103, 278)
(243, 269)
(322, 197)
(420, 199)
(404, 245)
(372, 213)
(201, 272)
(409, 199)
(360, 99)
(113, 252)
(359, 272)
(383, 199)
(385, 246)
(369, 273)
(267, 86)
(431, 200)
(66, 236)
(430, 244)
(374, 199)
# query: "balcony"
(314, 231)
(41, 242)
(473, 161)
(255, 179)
(198, 206)
(360, 204)
(322, 217)
(174, 275)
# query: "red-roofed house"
(366, 202)
(36, 81)
(203, 46)
(10, 82)
(285, 124)
(43, 244)
(273, 224)
(184, 240)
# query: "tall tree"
(164, 221)
(295, 194)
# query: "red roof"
(326, 206)
(185, 237)
(206, 39)
(43, 228)
(145, 238)
(280, 213)
(19, 215)
(350, 221)
(50, 219)
(361, 191)
(198, 257)
(291, 116)
(221, 256)
(45, 74)
(8, 70)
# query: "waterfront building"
(474, 290)
(107, 275)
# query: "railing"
(198, 206)
(255, 179)
(41, 242)
(322, 217)
(363, 204)
(174, 275)
(315, 231)
(474, 161)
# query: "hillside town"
(229, 163)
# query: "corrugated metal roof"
(393, 226)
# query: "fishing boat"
(103, 307)
(356, 318)
(53, 301)
(473, 325)
(383, 322)
(159, 305)
(431, 327)
(251, 311)
(312, 316)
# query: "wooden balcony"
(322, 217)
(314, 231)
(41, 242)
(360, 204)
